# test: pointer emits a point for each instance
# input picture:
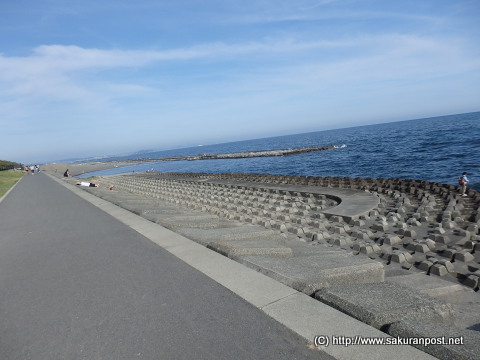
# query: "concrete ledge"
(354, 203)
(233, 249)
(384, 303)
(468, 350)
(435, 286)
(311, 273)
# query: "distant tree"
(8, 165)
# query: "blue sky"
(91, 78)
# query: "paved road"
(75, 283)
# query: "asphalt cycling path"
(75, 283)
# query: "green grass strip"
(8, 178)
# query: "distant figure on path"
(66, 173)
(32, 170)
(463, 181)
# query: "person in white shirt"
(84, 183)
(89, 184)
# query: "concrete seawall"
(413, 244)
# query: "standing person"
(32, 169)
(463, 181)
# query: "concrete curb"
(302, 314)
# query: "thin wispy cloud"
(334, 15)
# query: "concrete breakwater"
(399, 255)
(240, 155)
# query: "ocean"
(435, 149)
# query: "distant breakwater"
(240, 155)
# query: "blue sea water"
(435, 149)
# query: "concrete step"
(311, 273)
(430, 285)
(381, 304)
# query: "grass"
(8, 178)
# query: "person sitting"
(66, 173)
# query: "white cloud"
(244, 82)
(57, 71)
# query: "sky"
(92, 78)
